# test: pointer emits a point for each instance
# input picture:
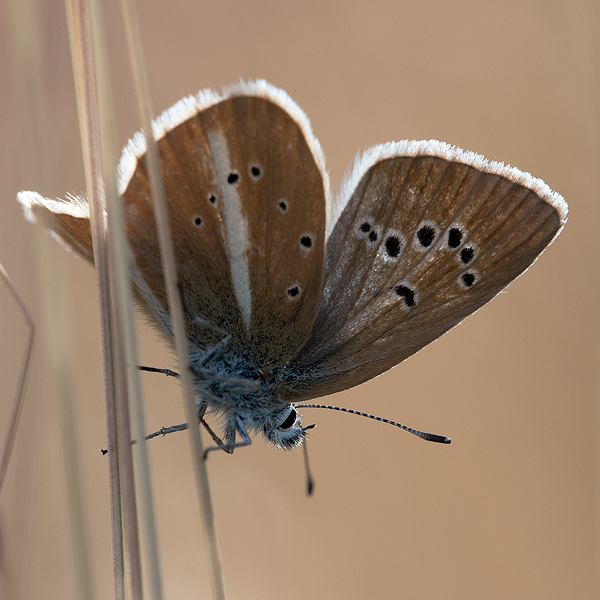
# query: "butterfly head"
(283, 428)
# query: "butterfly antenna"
(310, 482)
(430, 437)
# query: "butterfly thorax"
(244, 396)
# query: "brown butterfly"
(289, 292)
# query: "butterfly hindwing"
(428, 235)
(68, 219)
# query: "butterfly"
(289, 291)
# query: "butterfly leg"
(216, 349)
(230, 433)
(234, 385)
(167, 372)
(213, 435)
(201, 412)
(212, 352)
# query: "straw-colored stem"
(123, 304)
(174, 299)
(19, 396)
(124, 321)
(83, 72)
(127, 384)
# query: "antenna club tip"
(447, 441)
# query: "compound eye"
(290, 420)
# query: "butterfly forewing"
(423, 242)
(247, 207)
(282, 192)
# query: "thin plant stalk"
(85, 87)
(123, 303)
(19, 395)
(127, 385)
(174, 299)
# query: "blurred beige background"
(510, 510)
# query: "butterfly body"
(290, 292)
(245, 396)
